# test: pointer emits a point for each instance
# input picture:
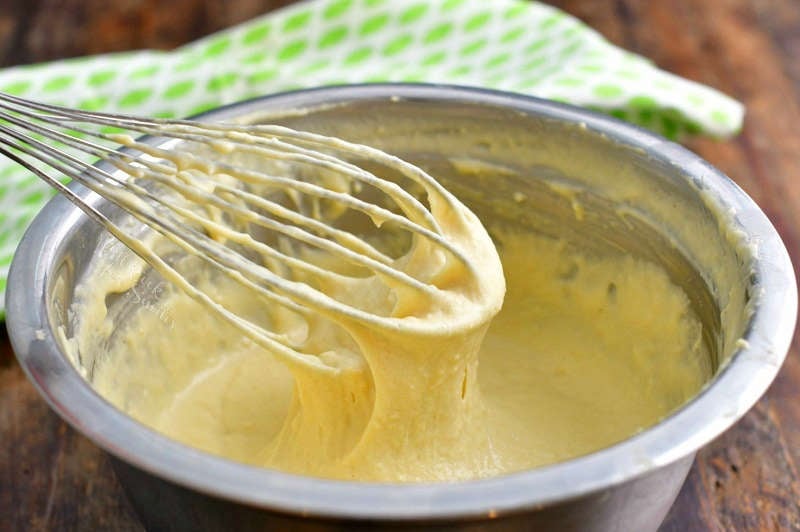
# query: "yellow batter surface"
(585, 352)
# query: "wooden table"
(51, 478)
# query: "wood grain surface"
(51, 478)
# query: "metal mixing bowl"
(710, 237)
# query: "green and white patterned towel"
(512, 45)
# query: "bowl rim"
(733, 391)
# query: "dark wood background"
(51, 478)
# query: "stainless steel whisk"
(266, 205)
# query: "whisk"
(307, 222)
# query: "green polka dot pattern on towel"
(513, 45)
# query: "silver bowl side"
(628, 486)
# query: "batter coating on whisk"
(376, 343)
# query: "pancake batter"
(585, 352)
